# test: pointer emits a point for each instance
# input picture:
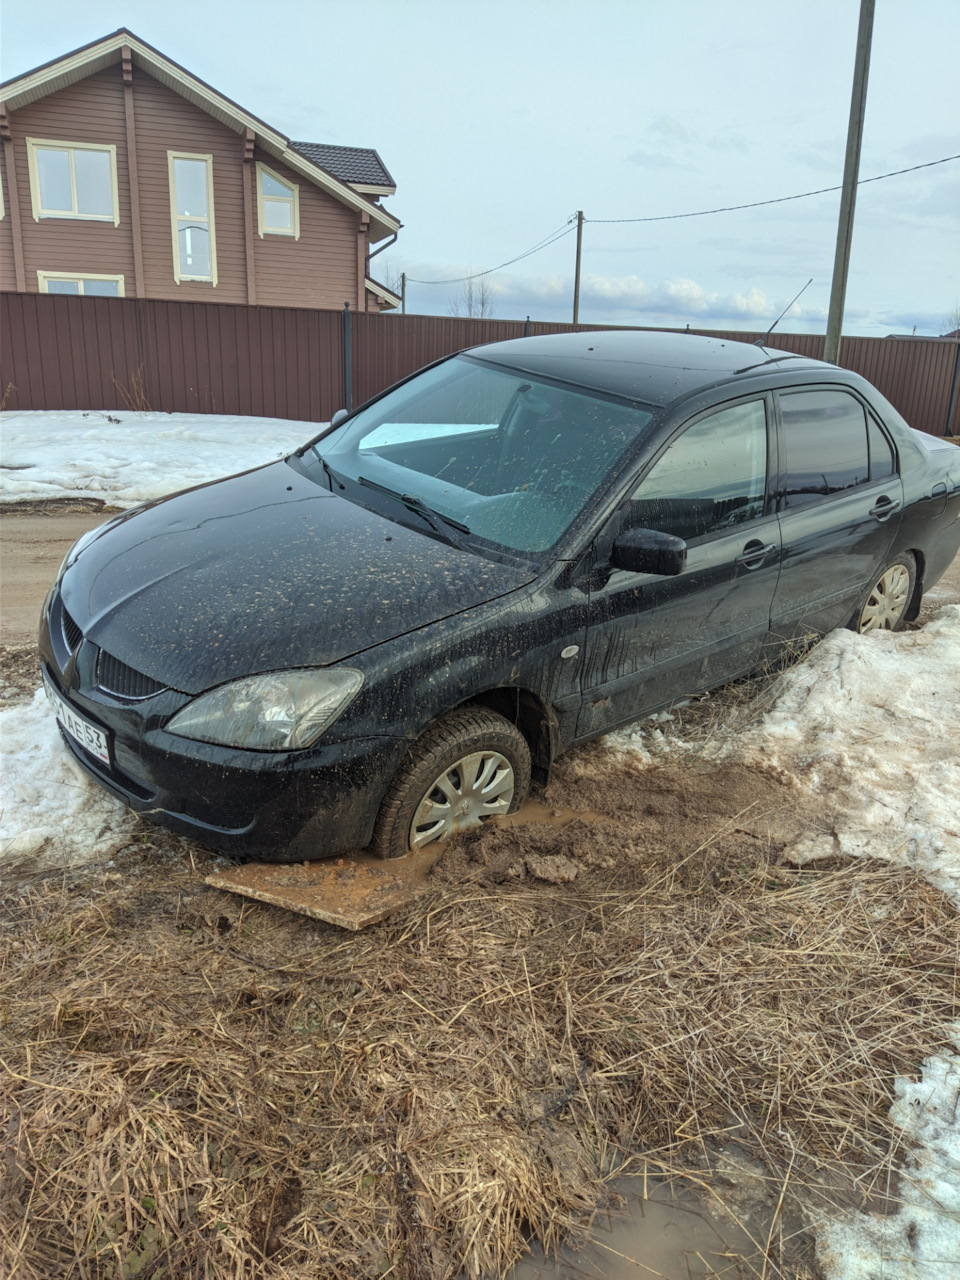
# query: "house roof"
(381, 291)
(360, 166)
(100, 54)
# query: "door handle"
(754, 553)
(884, 507)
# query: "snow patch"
(922, 1240)
(125, 458)
(868, 724)
(51, 813)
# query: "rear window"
(825, 442)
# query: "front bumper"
(277, 806)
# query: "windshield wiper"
(418, 505)
(331, 476)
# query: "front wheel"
(471, 765)
(885, 604)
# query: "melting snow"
(125, 458)
(868, 724)
(51, 813)
(922, 1240)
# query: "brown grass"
(195, 1086)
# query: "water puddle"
(666, 1235)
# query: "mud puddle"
(666, 1233)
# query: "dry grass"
(132, 394)
(203, 1088)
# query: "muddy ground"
(198, 1085)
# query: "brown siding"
(319, 269)
(166, 122)
(89, 111)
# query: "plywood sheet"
(341, 891)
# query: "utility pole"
(576, 274)
(403, 293)
(851, 171)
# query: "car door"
(652, 639)
(839, 501)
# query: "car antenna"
(762, 342)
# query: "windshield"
(510, 459)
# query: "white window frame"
(44, 278)
(179, 275)
(262, 200)
(39, 144)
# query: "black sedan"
(379, 640)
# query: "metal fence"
(61, 352)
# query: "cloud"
(630, 299)
(728, 142)
(656, 160)
(929, 324)
(824, 157)
(669, 128)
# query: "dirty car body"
(560, 534)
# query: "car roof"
(653, 367)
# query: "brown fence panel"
(916, 376)
(61, 352)
(387, 348)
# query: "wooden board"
(341, 891)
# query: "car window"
(710, 478)
(825, 444)
(883, 462)
(511, 458)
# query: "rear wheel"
(470, 766)
(885, 604)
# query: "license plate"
(79, 728)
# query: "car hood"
(260, 572)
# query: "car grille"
(114, 676)
(72, 634)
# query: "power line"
(756, 204)
(552, 238)
(571, 222)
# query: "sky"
(499, 119)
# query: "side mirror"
(649, 551)
(339, 417)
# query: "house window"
(278, 204)
(191, 214)
(73, 180)
(86, 285)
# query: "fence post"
(347, 359)
(953, 393)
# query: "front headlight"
(281, 711)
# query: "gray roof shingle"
(349, 164)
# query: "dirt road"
(31, 549)
(32, 546)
